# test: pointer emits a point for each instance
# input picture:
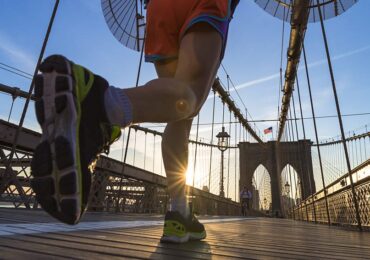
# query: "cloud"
(16, 54)
(323, 95)
(311, 65)
(256, 81)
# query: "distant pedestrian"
(245, 198)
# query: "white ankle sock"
(181, 205)
(118, 107)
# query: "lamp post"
(222, 145)
(265, 203)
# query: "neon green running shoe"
(75, 130)
(178, 229)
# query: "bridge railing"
(136, 191)
(116, 186)
(340, 201)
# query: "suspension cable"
(11, 107)
(304, 137)
(298, 157)
(316, 135)
(228, 162)
(281, 71)
(236, 140)
(123, 143)
(133, 162)
(289, 139)
(294, 157)
(145, 149)
(196, 150)
(241, 100)
(213, 126)
(154, 153)
(339, 117)
(14, 71)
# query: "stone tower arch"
(274, 157)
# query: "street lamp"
(223, 143)
(287, 188)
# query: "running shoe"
(195, 229)
(75, 130)
(178, 229)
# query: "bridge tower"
(274, 157)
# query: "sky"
(252, 61)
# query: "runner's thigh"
(199, 58)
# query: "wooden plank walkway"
(34, 235)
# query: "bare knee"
(185, 104)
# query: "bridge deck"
(33, 235)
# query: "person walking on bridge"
(245, 199)
(81, 114)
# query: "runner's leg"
(175, 151)
(197, 65)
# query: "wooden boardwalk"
(27, 234)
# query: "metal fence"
(116, 187)
(340, 203)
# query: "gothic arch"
(274, 157)
(294, 179)
(261, 188)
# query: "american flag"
(267, 130)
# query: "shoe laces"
(104, 148)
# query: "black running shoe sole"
(56, 170)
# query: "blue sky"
(252, 58)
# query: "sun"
(189, 176)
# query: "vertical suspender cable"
(361, 157)
(316, 136)
(365, 142)
(357, 160)
(190, 203)
(291, 139)
(133, 162)
(196, 150)
(295, 155)
(154, 154)
(123, 143)
(304, 137)
(145, 150)
(221, 183)
(228, 157)
(213, 126)
(339, 118)
(350, 152)
(228, 162)
(298, 152)
(11, 107)
(236, 150)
